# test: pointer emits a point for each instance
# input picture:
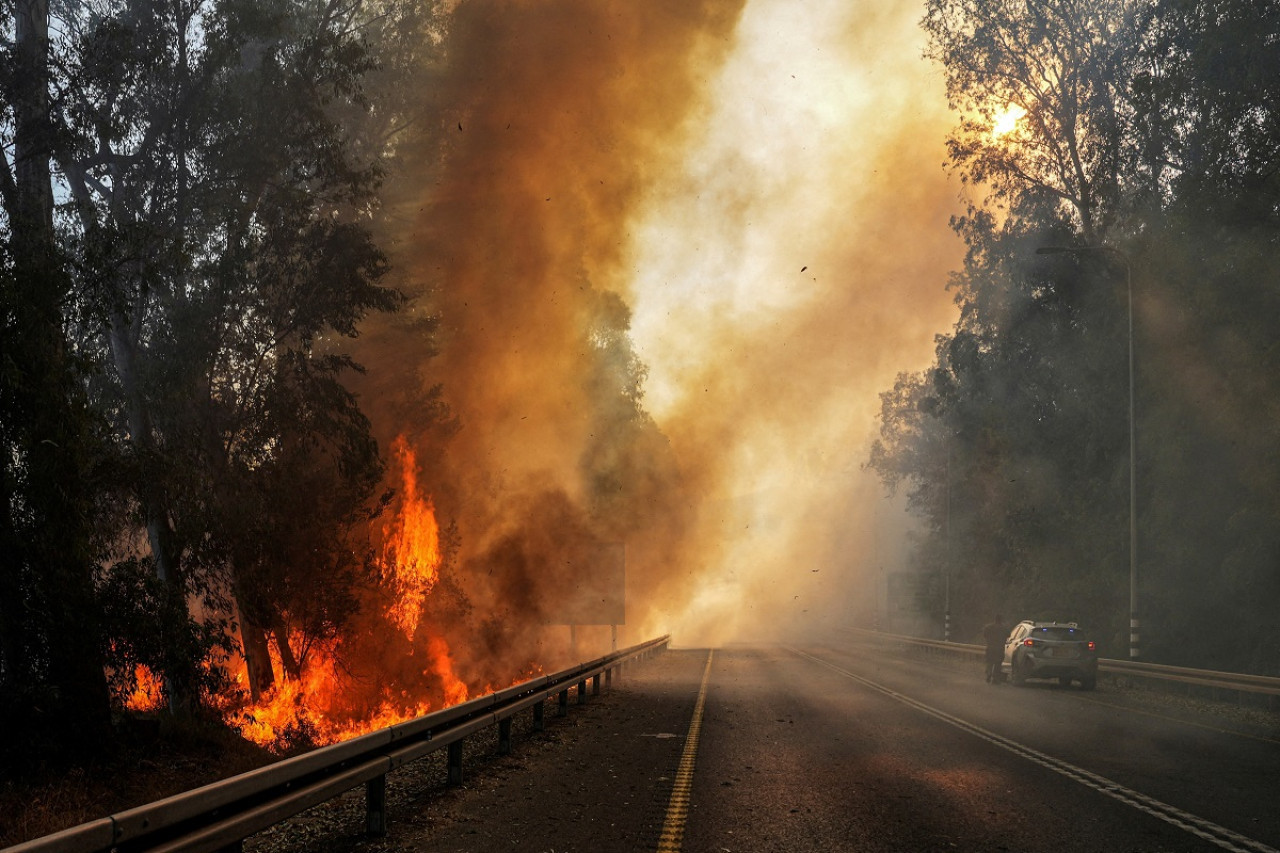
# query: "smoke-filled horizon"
(757, 191)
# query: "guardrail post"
(595, 684)
(538, 724)
(375, 806)
(608, 677)
(564, 702)
(455, 762)
(582, 692)
(504, 736)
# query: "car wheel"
(1064, 680)
(1017, 672)
(1088, 683)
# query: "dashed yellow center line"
(678, 808)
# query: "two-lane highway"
(822, 749)
(836, 748)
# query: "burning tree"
(181, 318)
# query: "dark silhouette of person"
(993, 634)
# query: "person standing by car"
(993, 634)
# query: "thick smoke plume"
(749, 200)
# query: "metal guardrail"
(1260, 684)
(219, 816)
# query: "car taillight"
(1028, 642)
(1091, 646)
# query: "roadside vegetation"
(1105, 145)
(196, 205)
(190, 213)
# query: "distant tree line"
(1149, 146)
(186, 242)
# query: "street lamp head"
(1102, 249)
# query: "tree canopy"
(1145, 156)
(188, 193)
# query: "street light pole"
(946, 580)
(1135, 625)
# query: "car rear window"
(1058, 632)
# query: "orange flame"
(455, 691)
(313, 709)
(304, 711)
(411, 546)
(309, 710)
(148, 691)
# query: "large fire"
(316, 708)
(390, 664)
(309, 710)
(411, 546)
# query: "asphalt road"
(834, 748)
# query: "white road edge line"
(1209, 831)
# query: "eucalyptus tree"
(1063, 68)
(219, 219)
(1010, 446)
(1146, 142)
(1208, 106)
(50, 447)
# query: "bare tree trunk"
(288, 660)
(257, 657)
(123, 336)
(32, 142)
(56, 438)
(15, 669)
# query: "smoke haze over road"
(759, 191)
